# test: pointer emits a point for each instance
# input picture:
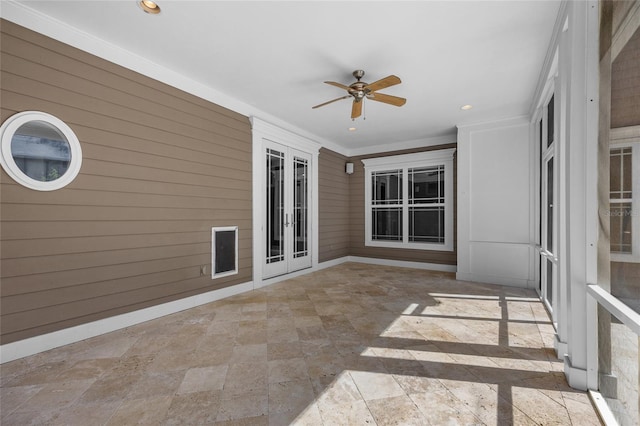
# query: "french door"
(548, 209)
(286, 198)
(548, 258)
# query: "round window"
(39, 151)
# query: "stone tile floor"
(354, 344)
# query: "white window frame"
(404, 162)
(629, 137)
(8, 130)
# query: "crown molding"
(22, 14)
(27, 17)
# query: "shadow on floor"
(353, 344)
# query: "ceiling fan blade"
(342, 86)
(333, 100)
(356, 110)
(387, 99)
(389, 81)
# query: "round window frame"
(8, 130)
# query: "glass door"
(287, 224)
(299, 228)
(275, 213)
(548, 257)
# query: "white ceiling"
(274, 57)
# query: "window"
(624, 192)
(39, 151)
(409, 201)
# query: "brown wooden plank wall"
(160, 168)
(333, 211)
(357, 212)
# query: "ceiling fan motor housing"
(357, 90)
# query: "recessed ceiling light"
(352, 129)
(149, 6)
(466, 107)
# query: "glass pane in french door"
(275, 206)
(549, 282)
(300, 207)
(548, 232)
(549, 245)
(542, 203)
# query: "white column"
(581, 183)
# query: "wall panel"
(495, 193)
(160, 168)
(333, 199)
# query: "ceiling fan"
(360, 90)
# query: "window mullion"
(405, 203)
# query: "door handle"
(286, 219)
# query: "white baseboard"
(44, 342)
(357, 259)
(332, 262)
(576, 377)
(492, 279)
(562, 348)
(403, 264)
(273, 280)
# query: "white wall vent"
(224, 251)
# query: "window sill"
(625, 258)
(410, 246)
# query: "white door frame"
(263, 131)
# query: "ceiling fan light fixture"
(359, 90)
(466, 107)
(352, 129)
(149, 6)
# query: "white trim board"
(550, 58)
(615, 307)
(493, 279)
(37, 344)
(314, 268)
(358, 259)
(602, 408)
(403, 264)
(576, 377)
(480, 126)
(399, 146)
(560, 347)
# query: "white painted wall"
(494, 203)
